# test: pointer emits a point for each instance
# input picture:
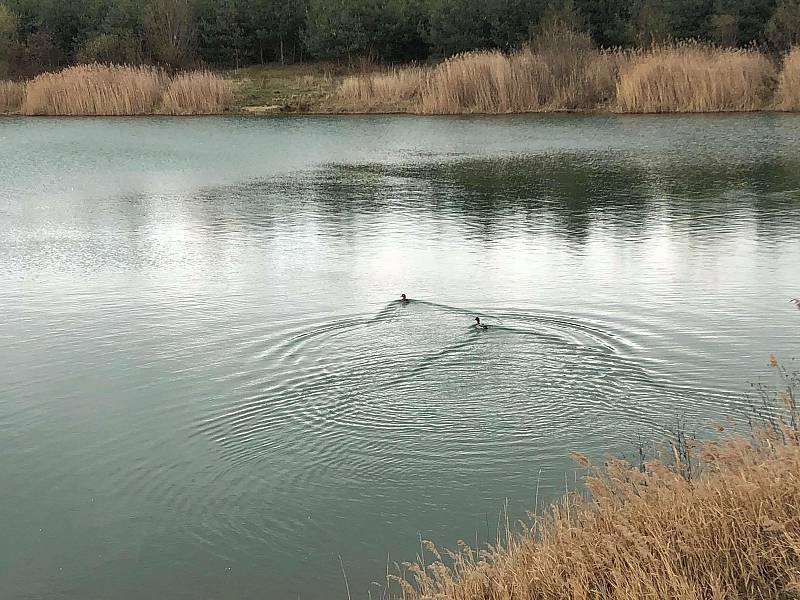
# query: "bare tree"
(171, 30)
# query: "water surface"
(209, 390)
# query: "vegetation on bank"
(567, 74)
(117, 91)
(789, 83)
(695, 79)
(564, 73)
(715, 520)
(298, 88)
(505, 56)
(11, 96)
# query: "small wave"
(343, 391)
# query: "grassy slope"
(287, 88)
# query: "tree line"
(37, 35)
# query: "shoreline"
(672, 79)
(411, 115)
(707, 517)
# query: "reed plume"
(700, 521)
(392, 90)
(197, 93)
(733, 533)
(788, 96)
(571, 75)
(120, 90)
(107, 90)
(694, 78)
(12, 94)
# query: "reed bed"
(732, 534)
(489, 82)
(788, 96)
(12, 94)
(557, 76)
(107, 90)
(119, 90)
(197, 93)
(480, 82)
(695, 78)
(386, 91)
(717, 520)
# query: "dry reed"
(653, 531)
(471, 82)
(386, 91)
(490, 82)
(11, 97)
(119, 90)
(197, 93)
(788, 96)
(734, 533)
(566, 73)
(695, 78)
(108, 90)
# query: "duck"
(479, 325)
(403, 299)
(796, 302)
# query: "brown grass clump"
(655, 531)
(490, 82)
(694, 78)
(197, 93)
(734, 533)
(390, 90)
(563, 72)
(11, 96)
(95, 89)
(478, 82)
(788, 96)
(119, 90)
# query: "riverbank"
(682, 78)
(561, 76)
(713, 520)
(117, 90)
(101, 90)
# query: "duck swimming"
(403, 299)
(479, 325)
(796, 302)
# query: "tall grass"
(95, 90)
(197, 93)
(390, 90)
(564, 72)
(788, 97)
(695, 78)
(490, 82)
(11, 96)
(473, 82)
(117, 90)
(655, 530)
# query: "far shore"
(674, 79)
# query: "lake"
(208, 387)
